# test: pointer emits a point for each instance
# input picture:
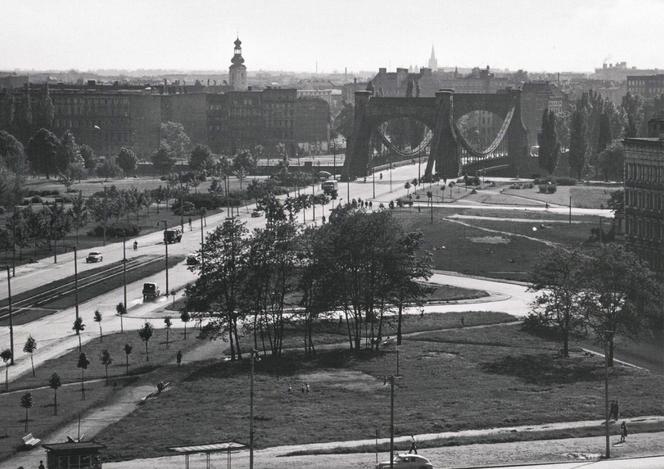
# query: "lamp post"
(373, 182)
(165, 222)
(76, 279)
(124, 270)
(607, 454)
(202, 242)
(9, 311)
(390, 176)
(254, 355)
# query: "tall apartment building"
(646, 86)
(644, 194)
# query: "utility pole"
(391, 378)
(570, 210)
(165, 222)
(76, 279)
(313, 202)
(373, 182)
(251, 412)
(124, 269)
(14, 243)
(606, 397)
(390, 176)
(202, 242)
(9, 305)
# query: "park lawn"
(65, 365)
(450, 380)
(582, 196)
(42, 422)
(471, 250)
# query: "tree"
(98, 319)
(106, 360)
(620, 294)
(201, 158)
(145, 333)
(26, 403)
(163, 160)
(109, 169)
(549, 146)
(243, 163)
(42, 152)
(611, 161)
(83, 363)
(604, 138)
(54, 383)
(558, 282)
(69, 156)
(59, 222)
(185, 318)
(617, 201)
(577, 145)
(79, 213)
(121, 310)
(12, 153)
(174, 139)
(6, 356)
(168, 323)
(89, 157)
(30, 347)
(127, 161)
(127, 350)
(78, 328)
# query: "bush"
(211, 201)
(116, 230)
(538, 325)
(187, 209)
(565, 181)
(48, 193)
(36, 200)
(547, 188)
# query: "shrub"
(46, 193)
(565, 181)
(36, 200)
(187, 209)
(539, 325)
(211, 201)
(116, 230)
(547, 188)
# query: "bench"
(30, 441)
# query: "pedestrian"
(41, 465)
(323, 219)
(421, 312)
(623, 432)
(307, 387)
(463, 322)
(303, 390)
(135, 245)
(178, 357)
(413, 446)
(290, 389)
(190, 228)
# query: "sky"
(294, 35)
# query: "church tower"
(433, 63)
(237, 72)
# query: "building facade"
(237, 72)
(644, 195)
(646, 86)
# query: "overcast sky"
(553, 35)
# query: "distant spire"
(433, 63)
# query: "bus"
(329, 186)
(172, 235)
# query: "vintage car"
(150, 291)
(407, 461)
(94, 257)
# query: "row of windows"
(642, 199)
(89, 110)
(114, 101)
(645, 173)
(645, 229)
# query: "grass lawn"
(582, 196)
(456, 379)
(471, 250)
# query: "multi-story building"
(646, 86)
(619, 72)
(312, 124)
(644, 194)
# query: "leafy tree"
(557, 280)
(617, 201)
(78, 328)
(42, 152)
(83, 363)
(69, 155)
(26, 403)
(605, 137)
(79, 213)
(549, 146)
(611, 161)
(185, 318)
(577, 145)
(620, 294)
(201, 158)
(98, 318)
(163, 160)
(58, 221)
(127, 350)
(174, 139)
(54, 383)
(89, 157)
(12, 153)
(30, 347)
(243, 163)
(106, 360)
(127, 161)
(145, 333)
(6, 356)
(168, 323)
(109, 169)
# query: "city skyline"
(301, 37)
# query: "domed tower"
(237, 72)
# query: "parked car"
(256, 214)
(94, 256)
(192, 259)
(150, 291)
(407, 461)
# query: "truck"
(329, 186)
(172, 235)
(150, 291)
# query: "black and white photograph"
(331, 234)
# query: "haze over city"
(565, 35)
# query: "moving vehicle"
(324, 175)
(329, 186)
(94, 256)
(150, 291)
(172, 235)
(407, 461)
(256, 214)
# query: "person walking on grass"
(623, 432)
(413, 446)
(178, 357)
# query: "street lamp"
(607, 333)
(254, 356)
(124, 269)
(9, 312)
(165, 222)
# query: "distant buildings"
(646, 86)
(433, 62)
(619, 72)
(644, 194)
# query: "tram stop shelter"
(73, 455)
(227, 447)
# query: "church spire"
(237, 72)
(433, 63)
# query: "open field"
(582, 196)
(450, 380)
(462, 245)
